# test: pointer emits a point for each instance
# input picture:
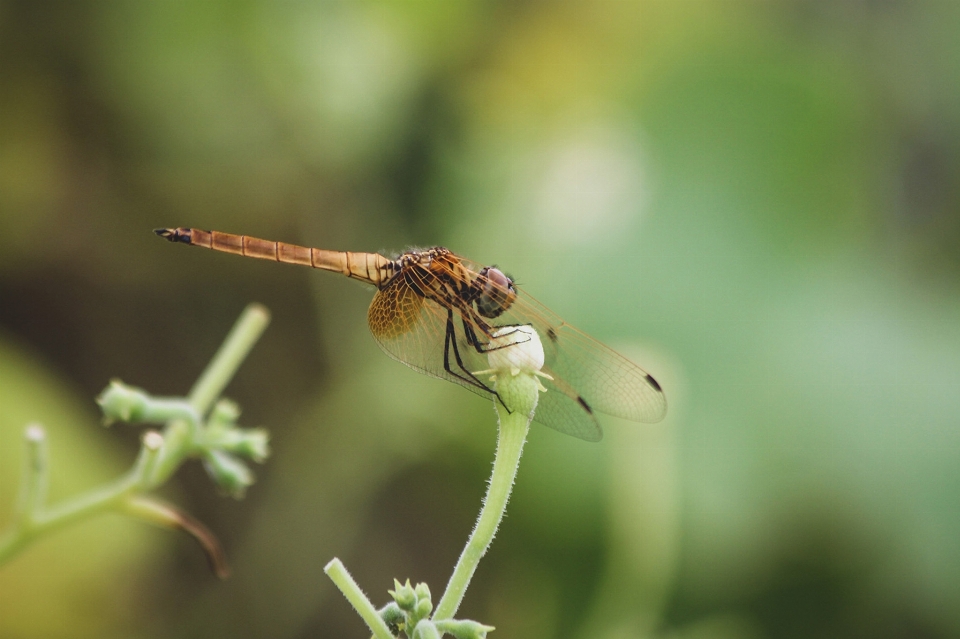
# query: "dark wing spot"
(585, 405)
(654, 383)
(552, 334)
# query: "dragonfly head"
(496, 292)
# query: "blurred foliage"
(59, 589)
(758, 201)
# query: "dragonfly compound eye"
(496, 292)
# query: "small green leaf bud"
(224, 413)
(121, 402)
(465, 629)
(424, 608)
(404, 595)
(130, 404)
(392, 615)
(423, 591)
(253, 443)
(229, 473)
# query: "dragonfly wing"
(413, 330)
(607, 381)
(560, 409)
(595, 376)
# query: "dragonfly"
(442, 315)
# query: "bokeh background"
(758, 201)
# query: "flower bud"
(229, 473)
(404, 595)
(423, 591)
(515, 349)
(424, 608)
(121, 402)
(252, 443)
(224, 413)
(255, 444)
(392, 615)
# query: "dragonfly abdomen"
(367, 267)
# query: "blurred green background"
(757, 201)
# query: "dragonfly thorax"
(442, 275)
(420, 257)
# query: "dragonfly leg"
(450, 342)
(474, 341)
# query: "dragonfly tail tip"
(173, 235)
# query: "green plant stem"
(344, 581)
(35, 473)
(510, 440)
(104, 498)
(96, 501)
(229, 356)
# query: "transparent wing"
(413, 330)
(605, 380)
(560, 409)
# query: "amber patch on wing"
(394, 310)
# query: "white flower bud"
(515, 349)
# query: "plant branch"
(36, 472)
(512, 435)
(228, 357)
(160, 455)
(344, 581)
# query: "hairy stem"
(344, 581)
(512, 435)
